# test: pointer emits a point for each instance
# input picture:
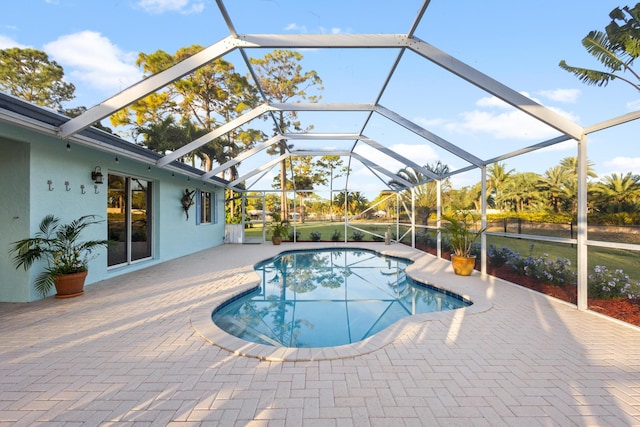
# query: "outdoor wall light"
(96, 175)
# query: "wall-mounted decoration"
(187, 201)
(96, 175)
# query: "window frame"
(206, 216)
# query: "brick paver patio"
(132, 351)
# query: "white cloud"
(428, 123)
(182, 6)
(499, 120)
(420, 154)
(622, 165)
(303, 29)
(7, 42)
(295, 27)
(492, 102)
(563, 146)
(333, 30)
(93, 60)
(561, 95)
(634, 105)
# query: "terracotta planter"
(463, 266)
(70, 285)
(276, 240)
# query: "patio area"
(131, 351)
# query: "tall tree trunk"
(283, 181)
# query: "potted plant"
(279, 229)
(462, 240)
(66, 256)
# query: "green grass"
(326, 230)
(628, 261)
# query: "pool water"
(325, 298)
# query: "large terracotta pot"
(276, 240)
(463, 266)
(70, 285)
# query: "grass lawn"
(325, 229)
(628, 261)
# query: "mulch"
(619, 308)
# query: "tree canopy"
(616, 48)
(30, 74)
(282, 79)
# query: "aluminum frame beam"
(430, 136)
(316, 153)
(625, 118)
(146, 86)
(380, 169)
(494, 87)
(386, 41)
(389, 152)
(216, 133)
(265, 166)
(317, 106)
(244, 155)
(322, 136)
(328, 41)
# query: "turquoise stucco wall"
(14, 216)
(36, 158)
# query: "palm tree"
(617, 192)
(521, 191)
(498, 176)
(356, 202)
(616, 49)
(425, 187)
(554, 184)
(571, 165)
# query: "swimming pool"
(328, 297)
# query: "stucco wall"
(32, 159)
(14, 216)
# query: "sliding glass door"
(129, 219)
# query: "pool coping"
(425, 268)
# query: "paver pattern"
(126, 353)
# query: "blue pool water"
(325, 298)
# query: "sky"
(97, 43)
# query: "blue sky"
(97, 43)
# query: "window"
(129, 219)
(205, 208)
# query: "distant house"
(140, 203)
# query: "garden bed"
(618, 308)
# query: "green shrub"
(606, 284)
(315, 236)
(555, 272)
(357, 235)
(542, 268)
(296, 235)
(499, 256)
(619, 218)
(335, 237)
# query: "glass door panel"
(117, 220)
(140, 219)
(129, 219)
